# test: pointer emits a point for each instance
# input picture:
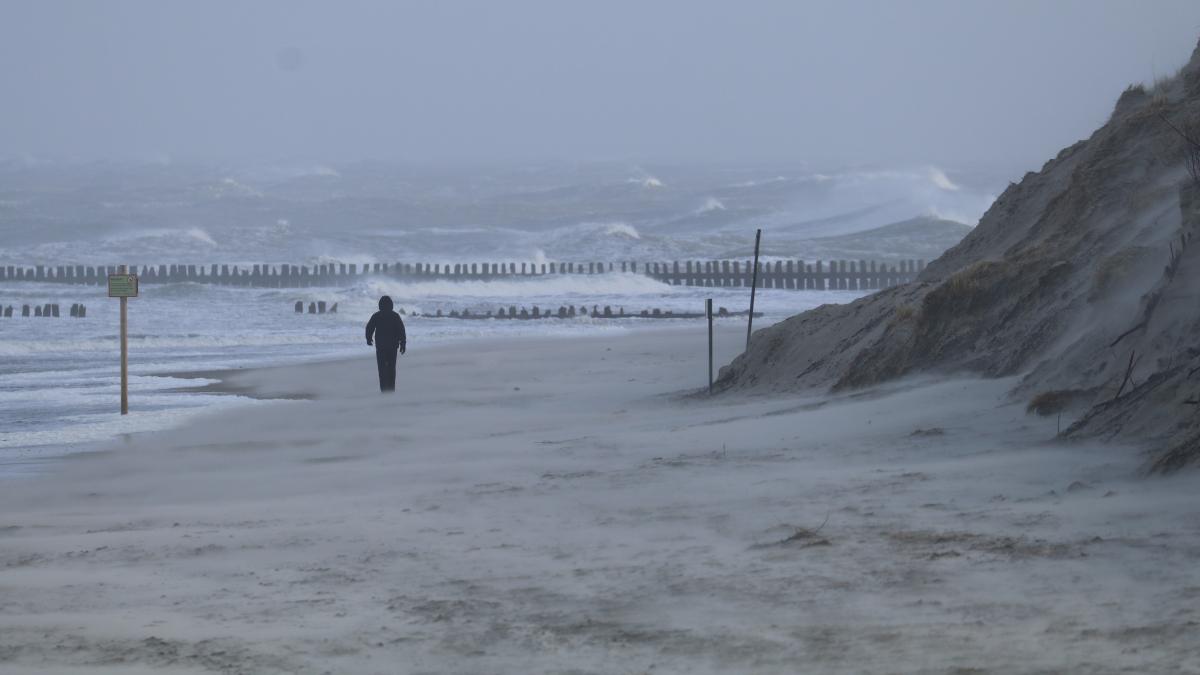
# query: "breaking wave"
(551, 286)
(622, 229)
(941, 180)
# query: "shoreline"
(224, 382)
(256, 382)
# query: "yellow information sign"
(122, 286)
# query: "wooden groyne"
(317, 307)
(570, 312)
(563, 312)
(786, 274)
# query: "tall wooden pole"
(708, 312)
(124, 351)
(753, 288)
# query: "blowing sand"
(555, 506)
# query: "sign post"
(708, 312)
(124, 286)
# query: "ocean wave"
(201, 236)
(614, 224)
(285, 172)
(558, 285)
(756, 183)
(941, 180)
(646, 179)
(18, 348)
(231, 187)
(622, 229)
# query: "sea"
(59, 377)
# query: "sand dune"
(1081, 278)
(558, 506)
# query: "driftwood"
(1128, 372)
(1175, 255)
(1127, 333)
(1191, 153)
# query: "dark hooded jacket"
(386, 327)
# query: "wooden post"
(708, 312)
(753, 288)
(124, 351)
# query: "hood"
(385, 304)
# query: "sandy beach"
(567, 506)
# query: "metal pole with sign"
(124, 286)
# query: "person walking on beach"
(386, 331)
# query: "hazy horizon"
(482, 83)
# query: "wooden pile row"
(48, 310)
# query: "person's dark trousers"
(386, 358)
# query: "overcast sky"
(949, 82)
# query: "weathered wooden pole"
(708, 312)
(753, 288)
(124, 349)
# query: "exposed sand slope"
(588, 523)
(1061, 266)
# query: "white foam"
(611, 284)
(232, 186)
(941, 180)
(215, 340)
(201, 236)
(74, 430)
(622, 229)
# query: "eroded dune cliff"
(1080, 278)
